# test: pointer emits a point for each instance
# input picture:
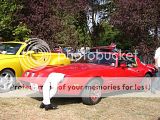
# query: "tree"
(98, 11)
(135, 18)
(90, 20)
(108, 34)
(68, 35)
(73, 18)
(83, 29)
(139, 22)
(37, 14)
(7, 27)
(47, 19)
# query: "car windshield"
(9, 48)
(102, 58)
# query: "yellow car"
(17, 57)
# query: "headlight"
(26, 74)
(32, 75)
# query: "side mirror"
(123, 65)
(29, 52)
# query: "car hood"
(75, 68)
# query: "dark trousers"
(158, 73)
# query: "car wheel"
(148, 75)
(7, 80)
(92, 93)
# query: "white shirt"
(157, 56)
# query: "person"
(50, 88)
(156, 82)
(157, 61)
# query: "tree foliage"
(108, 34)
(99, 10)
(37, 14)
(136, 18)
(51, 20)
(129, 23)
(139, 21)
(8, 9)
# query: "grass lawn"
(73, 109)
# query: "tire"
(92, 96)
(8, 80)
(148, 75)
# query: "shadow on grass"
(62, 101)
(78, 100)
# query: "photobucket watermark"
(125, 86)
(37, 54)
(90, 56)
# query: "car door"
(131, 72)
(109, 72)
(133, 69)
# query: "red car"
(92, 73)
